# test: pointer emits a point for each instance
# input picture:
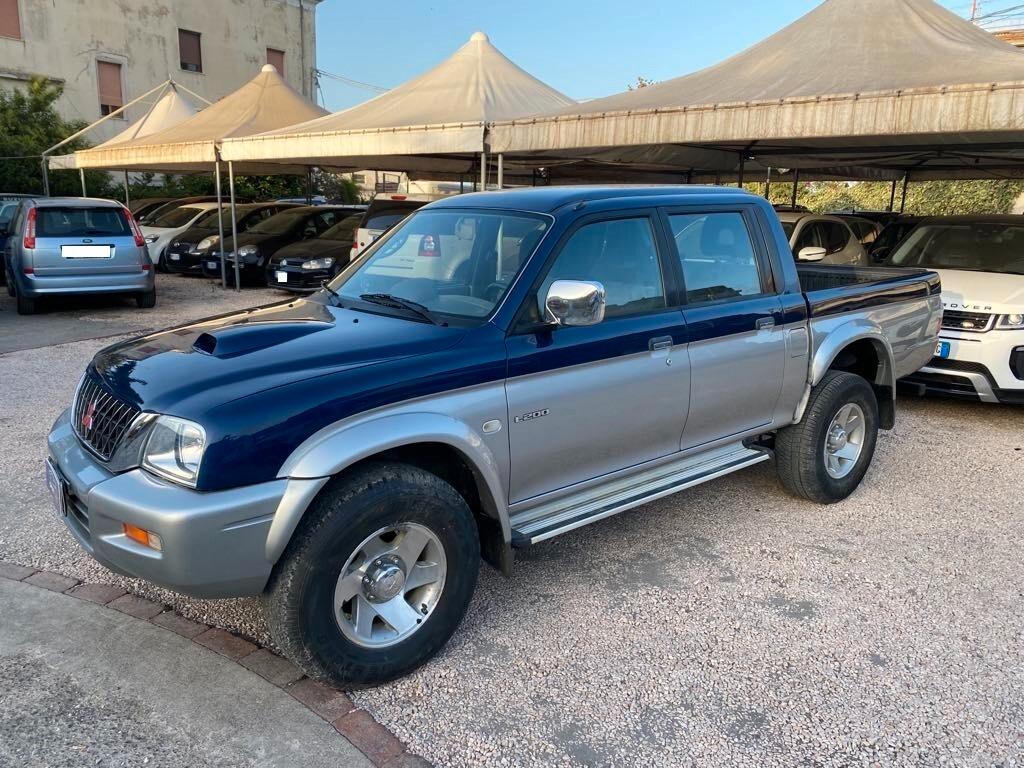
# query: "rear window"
(80, 222)
(382, 216)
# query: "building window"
(10, 21)
(190, 51)
(111, 97)
(359, 178)
(276, 58)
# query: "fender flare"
(338, 446)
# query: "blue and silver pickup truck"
(497, 370)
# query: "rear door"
(83, 240)
(734, 319)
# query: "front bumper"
(981, 366)
(246, 270)
(184, 261)
(215, 544)
(296, 278)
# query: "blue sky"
(584, 48)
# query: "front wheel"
(826, 455)
(377, 577)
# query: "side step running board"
(547, 521)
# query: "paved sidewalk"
(83, 684)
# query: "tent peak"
(480, 37)
(268, 68)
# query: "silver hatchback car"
(61, 246)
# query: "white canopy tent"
(870, 88)
(167, 111)
(434, 123)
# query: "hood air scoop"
(240, 339)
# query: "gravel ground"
(729, 624)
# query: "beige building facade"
(108, 52)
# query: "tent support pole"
(892, 196)
(81, 176)
(462, 184)
(768, 184)
(46, 177)
(796, 183)
(220, 224)
(127, 200)
(234, 224)
(309, 185)
(501, 171)
(903, 199)
(739, 176)
(483, 171)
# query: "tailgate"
(84, 241)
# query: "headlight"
(152, 238)
(206, 243)
(1010, 321)
(325, 263)
(174, 450)
(248, 250)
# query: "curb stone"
(381, 747)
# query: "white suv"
(980, 353)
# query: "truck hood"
(991, 292)
(187, 370)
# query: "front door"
(735, 322)
(587, 401)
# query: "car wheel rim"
(390, 585)
(844, 441)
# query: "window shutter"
(276, 58)
(111, 97)
(10, 21)
(190, 50)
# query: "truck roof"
(547, 199)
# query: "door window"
(836, 236)
(621, 255)
(717, 256)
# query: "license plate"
(175, 257)
(942, 349)
(281, 277)
(85, 251)
(212, 265)
(58, 492)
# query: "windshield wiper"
(336, 300)
(390, 300)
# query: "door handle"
(764, 323)
(660, 343)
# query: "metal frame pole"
(46, 177)
(796, 183)
(81, 177)
(739, 175)
(501, 171)
(892, 196)
(483, 171)
(220, 225)
(903, 199)
(768, 184)
(234, 224)
(127, 200)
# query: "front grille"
(971, 322)
(99, 418)
(1017, 362)
(78, 512)
(181, 247)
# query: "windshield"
(179, 217)
(979, 246)
(788, 227)
(343, 229)
(279, 224)
(457, 263)
(893, 233)
(53, 221)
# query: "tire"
(300, 604)
(146, 300)
(10, 283)
(800, 449)
(26, 306)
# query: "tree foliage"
(331, 186)
(29, 125)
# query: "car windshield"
(979, 246)
(179, 217)
(280, 223)
(451, 262)
(893, 233)
(53, 221)
(788, 227)
(343, 229)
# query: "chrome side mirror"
(811, 253)
(575, 302)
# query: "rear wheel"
(826, 455)
(377, 577)
(26, 306)
(10, 281)
(147, 299)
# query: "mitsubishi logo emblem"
(87, 417)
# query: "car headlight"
(206, 243)
(152, 238)
(1010, 321)
(325, 263)
(248, 250)
(175, 449)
